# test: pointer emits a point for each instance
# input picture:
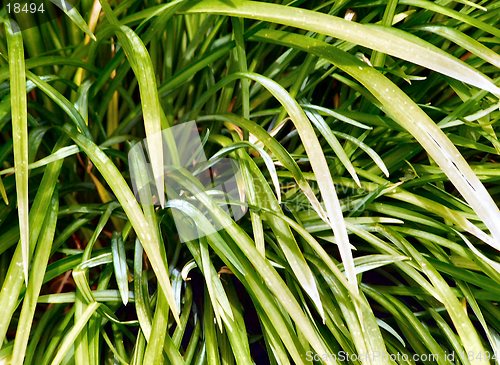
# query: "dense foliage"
(365, 136)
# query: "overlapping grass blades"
(145, 229)
(396, 104)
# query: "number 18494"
(24, 7)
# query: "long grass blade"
(142, 66)
(73, 333)
(19, 110)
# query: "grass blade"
(120, 265)
(19, 110)
(73, 333)
(154, 348)
(141, 299)
(320, 124)
(75, 17)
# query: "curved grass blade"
(279, 152)
(268, 161)
(369, 151)
(62, 101)
(320, 167)
(60, 154)
(495, 265)
(141, 64)
(336, 115)
(440, 9)
(391, 41)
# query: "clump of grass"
(365, 138)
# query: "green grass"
(366, 136)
